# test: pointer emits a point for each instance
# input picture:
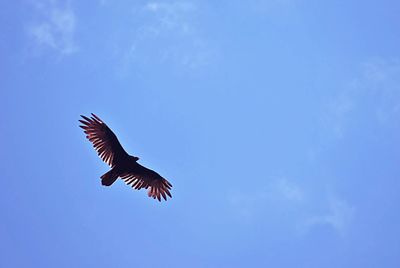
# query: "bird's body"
(122, 164)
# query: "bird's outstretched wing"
(104, 140)
(141, 177)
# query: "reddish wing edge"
(143, 177)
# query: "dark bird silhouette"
(122, 164)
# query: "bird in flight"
(122, 164)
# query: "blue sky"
(277, 122)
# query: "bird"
(122, 164)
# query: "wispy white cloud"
(374, 92)
(336, 114)
(270, 8)
(278, 193)
(170, 10)
(277, 190)
(168, 33)
(339, 216)
(289, 190)
(56, 27)
(381, 80)
(304, 208)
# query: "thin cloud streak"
(301, 206)
(250, 205)
(381, 79)
(56, 29)
(336, 114)
(375, 92)
(339, 216)
(167, 33)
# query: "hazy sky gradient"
(276, 121)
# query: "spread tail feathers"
(108, 178)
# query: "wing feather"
(157, 186)
(103, 139)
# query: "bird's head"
(134, 158)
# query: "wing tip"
(96, 117)
(159, 194)
(93, 118)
